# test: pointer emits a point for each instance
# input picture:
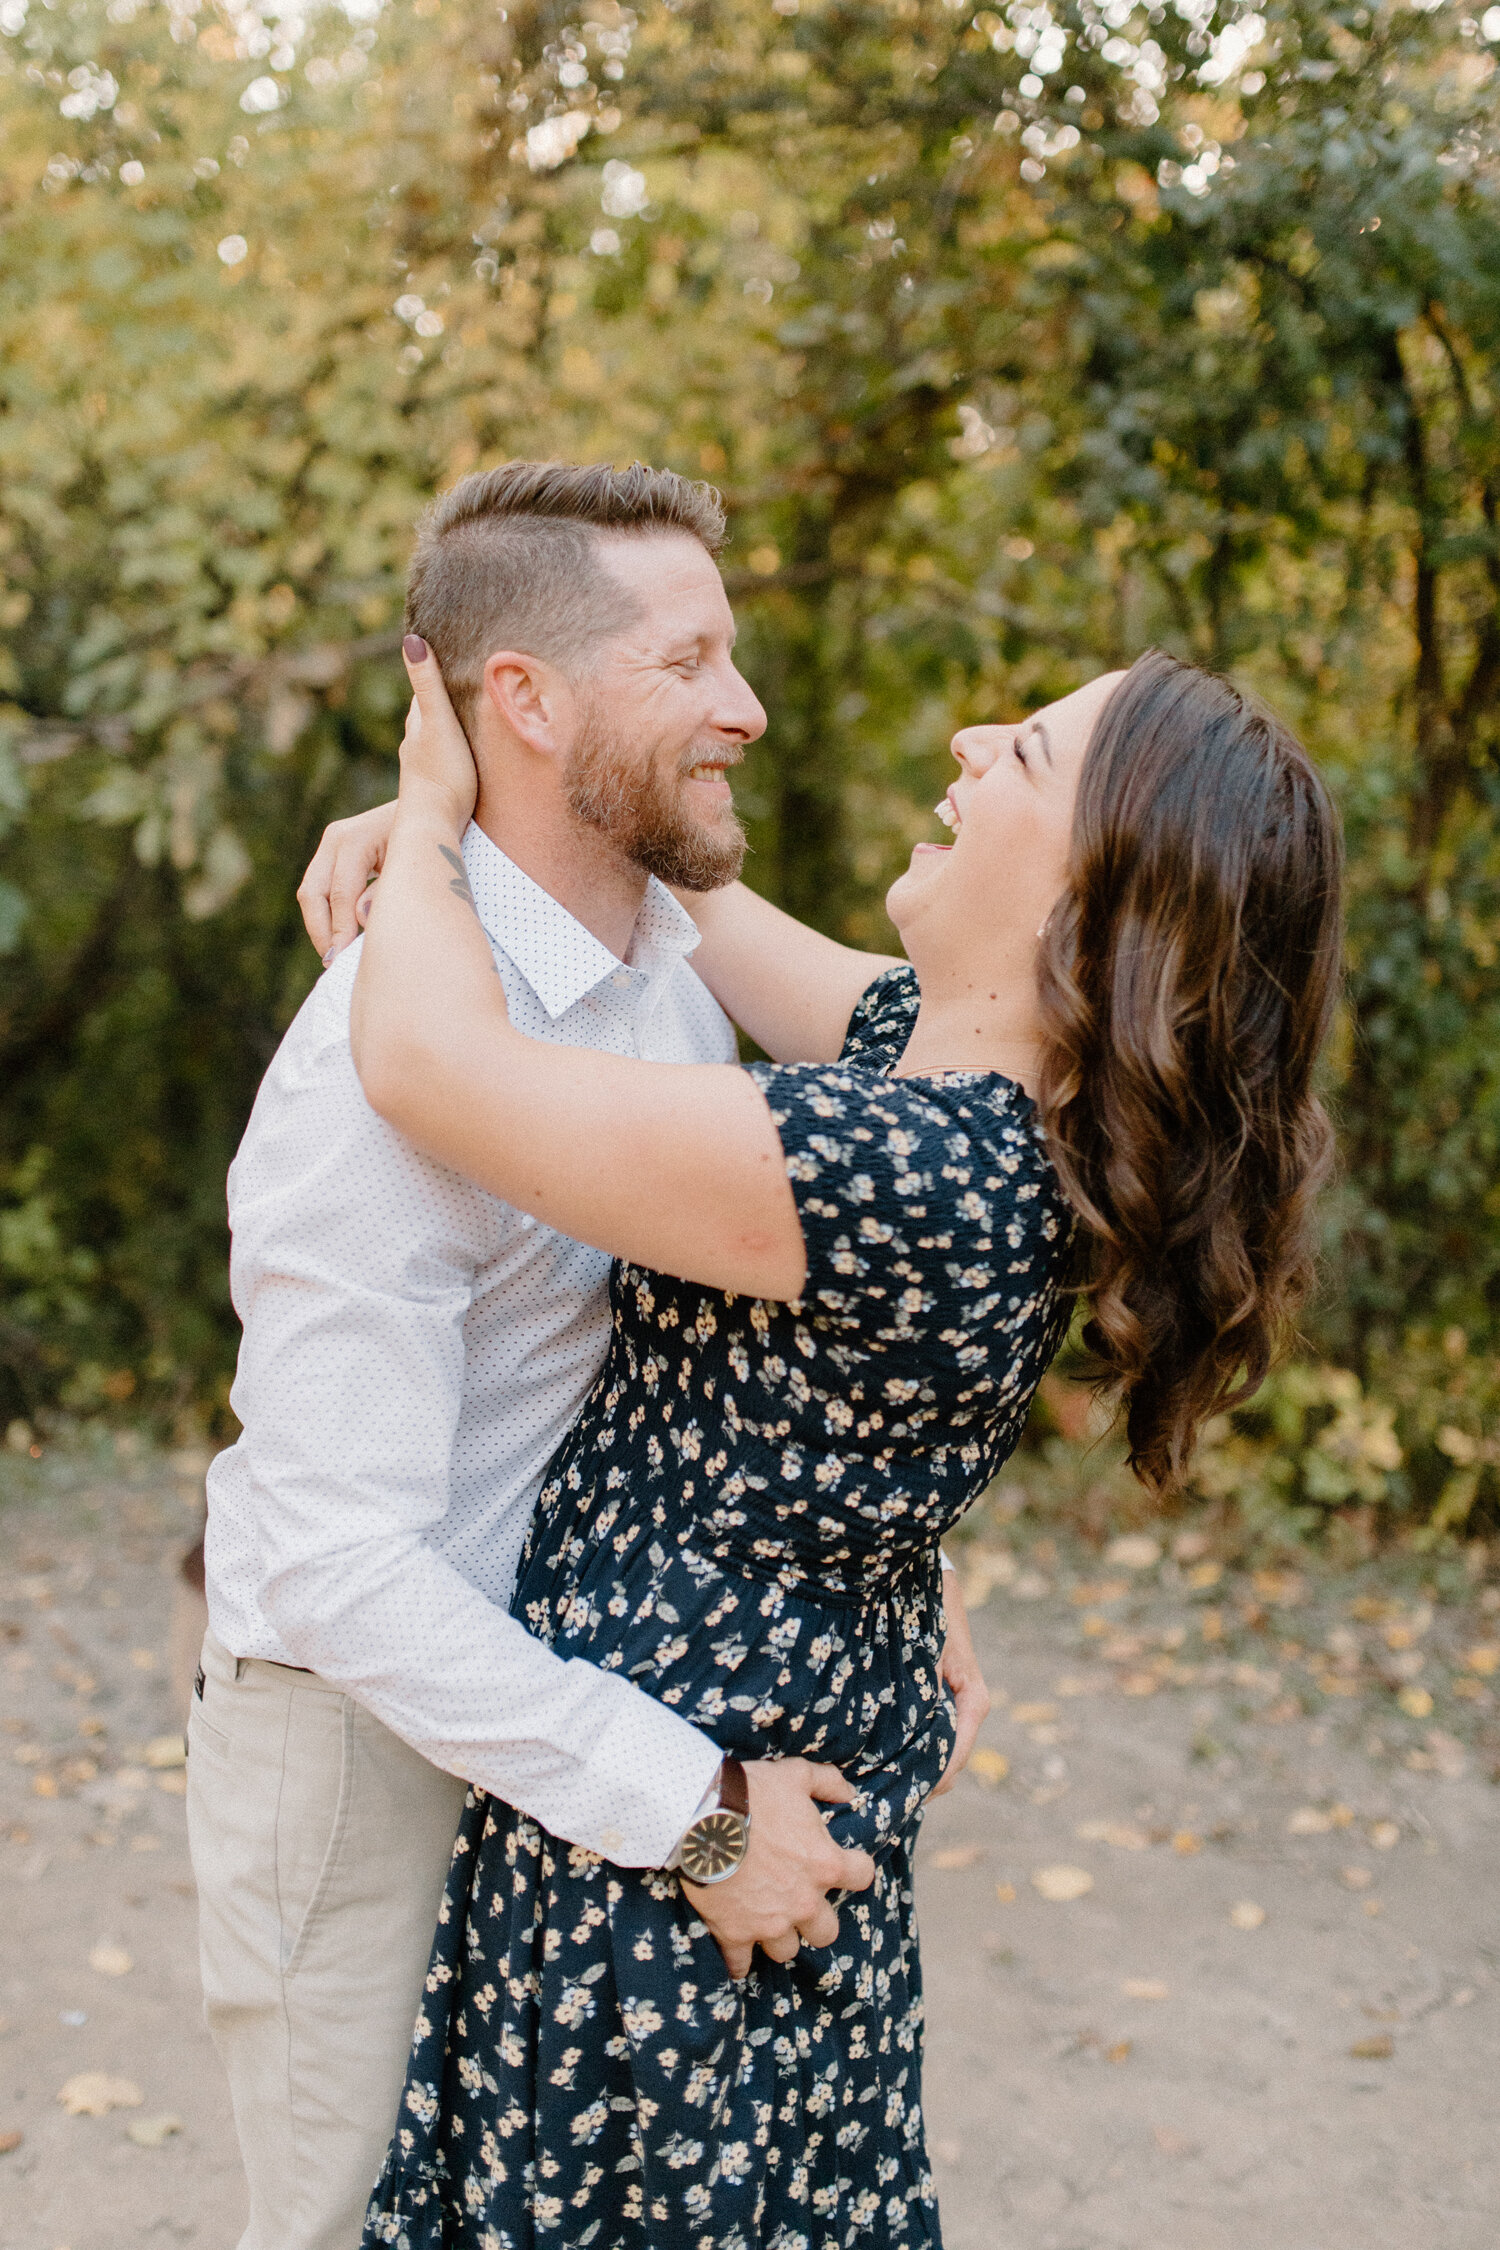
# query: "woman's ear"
(530, 698)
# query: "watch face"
(714, 1846)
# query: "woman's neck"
(974, 1028)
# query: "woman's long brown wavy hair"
(1188, 977)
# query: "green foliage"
(1017, 340)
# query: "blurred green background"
(1017, 341)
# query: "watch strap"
(734, 1789)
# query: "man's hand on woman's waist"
(778, 1899)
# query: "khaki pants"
(320, 1845)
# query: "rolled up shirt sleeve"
(356, 1264)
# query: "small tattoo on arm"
(460, 884)
(460, 889)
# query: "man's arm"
(354, 1272)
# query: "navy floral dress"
(745, 1519)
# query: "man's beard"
(640, 809)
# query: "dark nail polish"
(414, 649)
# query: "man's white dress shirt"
(414, 1350)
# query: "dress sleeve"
(923, 1207)
(883, 1017)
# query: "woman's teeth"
(947, 815)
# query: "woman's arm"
(791, 988)
(667, 1165)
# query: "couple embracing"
(576, 1587)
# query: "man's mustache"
(721, 754)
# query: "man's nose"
(738, 710)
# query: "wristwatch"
(714, 1845)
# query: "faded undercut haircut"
(511, 558)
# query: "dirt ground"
(1210, 1933)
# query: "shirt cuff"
(946, 1560)
(653, 1800)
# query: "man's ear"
(531, 699)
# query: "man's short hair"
(511, 558)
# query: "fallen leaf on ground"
(1062, 1884)
(1139, 1683)
(1415, 1702)
(1247, 1915)
(1106, 1590)
(152, 2132)
(92, 2093)
(1071, 1685)
(144, 1659)
(1307, 1820)
(1006, 1893)
(1119, 2052)
(1185, 1843)
(1372, 1906)
(165, 1751)
(110, 1960)
(1373, 2050)
(175, 1784)
(1133, 1551)
(1172, 2144)
(954, 1856)
(1385, 1835)
(1144, 1988)
(1119, 1833)
(8, 2141)
(1485, 1659)
(1448, 1755)
(45, 1785)
(1357, 1878)
(1033, 1714)
(988, 1766)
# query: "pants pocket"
(203, 1735)
(312, 1813)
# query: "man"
(414, 1350)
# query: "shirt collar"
(558, 957)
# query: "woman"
(839, 1279)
